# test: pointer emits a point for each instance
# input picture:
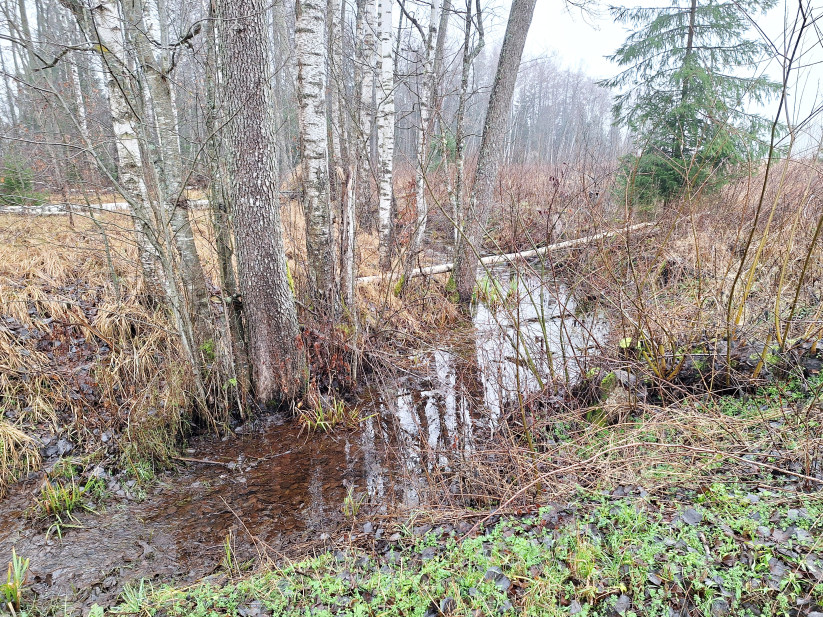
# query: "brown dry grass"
(79, 358)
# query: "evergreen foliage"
(683, 96)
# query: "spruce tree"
(685, 87)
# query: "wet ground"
(274, 490)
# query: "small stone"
(575, 607)
(623, 604)
(720, 607)
(395, 537)
(752, 498)
(691, 516)
(368, 528)
(496, 575)
(428, 553)
(447, 606)
(109, 582)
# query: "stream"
(275, 490)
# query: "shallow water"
(272, 489)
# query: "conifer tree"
(686, 84)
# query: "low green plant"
(352, 503)
(17, 184)
(16, 579)
(58, 501)
(324, 414)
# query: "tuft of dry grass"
(19, 454)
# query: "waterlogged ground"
(274, 489)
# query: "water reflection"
(526, 334)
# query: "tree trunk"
(365, 108)
(221, 217)
(424, 102)
(385, 135)
(491, 146)
(684, 91)
(108, 30)
(311, 46)
(168, 163)
(275, 350)
(469, 54)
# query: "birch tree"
(277, 359)
(425, 100)
(385, 134)
(168, 163)
(311, 47)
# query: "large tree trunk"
(491, 148)
(220, 212)
(311, 44)
(385, 134)
(278, 362)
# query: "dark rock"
(428, 553)
(495, 575)
(691, 516)
(64, 446)
(447, 606)
(623, 604)
(720, 607)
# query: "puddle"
(286, 489)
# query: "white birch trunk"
(168, 163)
(108, 26)
(424, 102)
(385, 134)
(367, 63)
(310, 44)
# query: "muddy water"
(273, 490)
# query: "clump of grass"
(352, 502)
(18, 454)
(60, 498)
(325, 413)
(16, 579)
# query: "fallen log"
(492, 260)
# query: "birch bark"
(168, 164)
(385, 134)
(427, 88)
(311, 46)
